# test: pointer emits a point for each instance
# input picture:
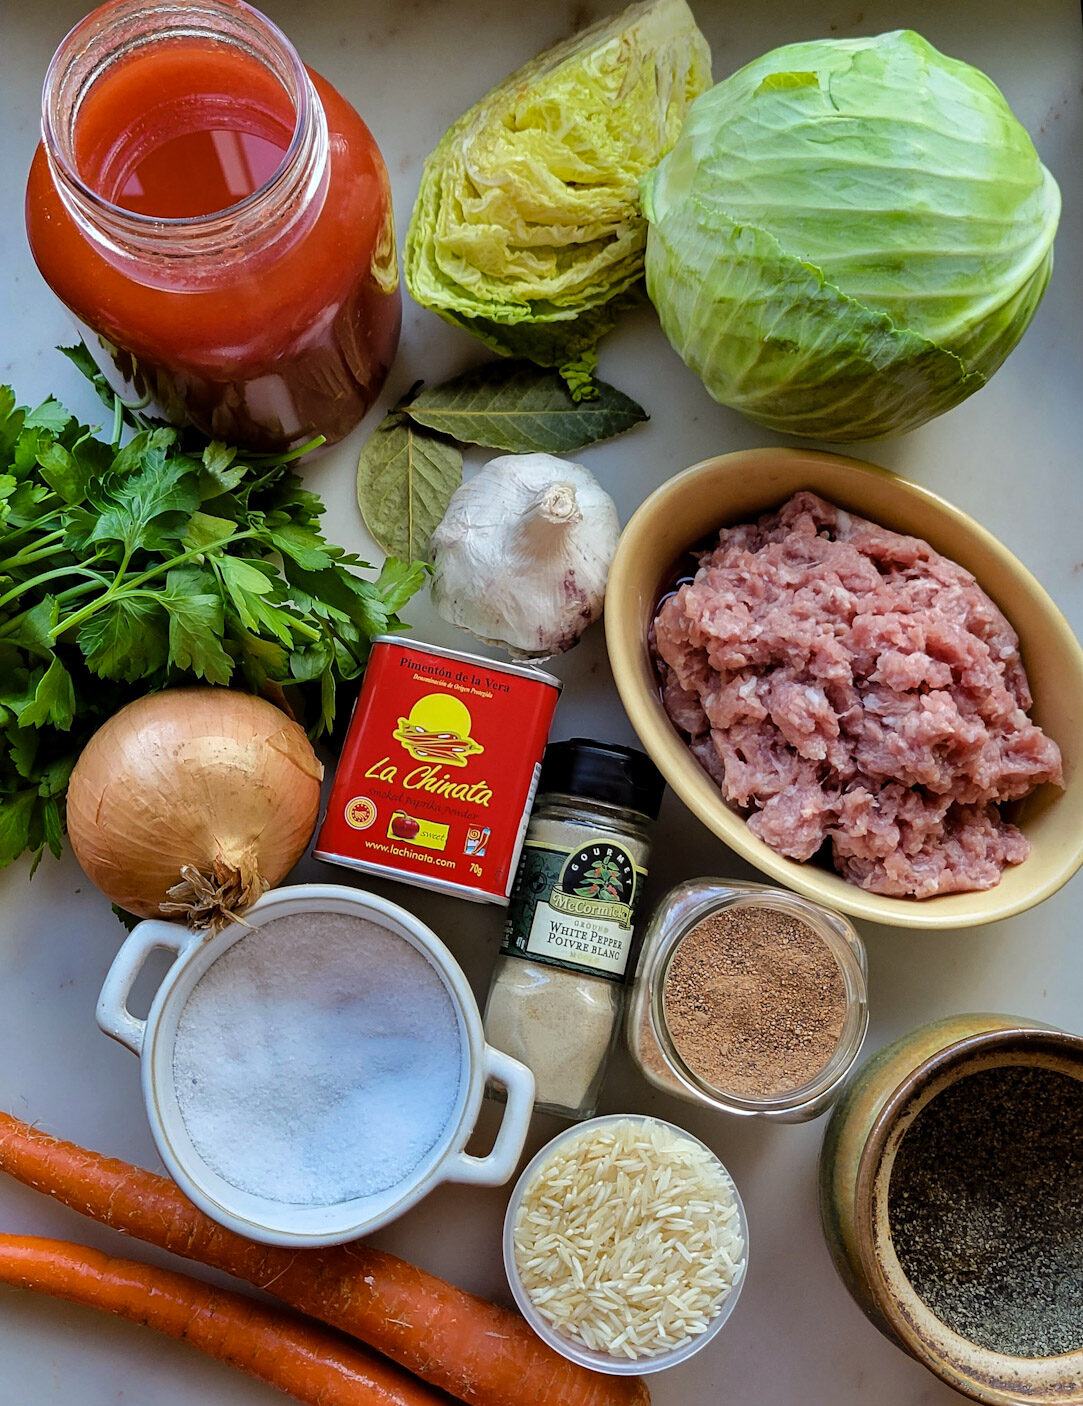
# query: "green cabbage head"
(527, 223)
(850, 236)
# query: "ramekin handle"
(112, 1012)
(498, 1165)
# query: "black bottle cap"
(603, 771)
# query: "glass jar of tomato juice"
(218, 221)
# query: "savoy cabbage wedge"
(850, 236)
(527, 224)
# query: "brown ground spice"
(755, 1001)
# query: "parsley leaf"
(196, 618)
(50, 415)
(150, 507)
(53, 699)
(127, 639)
(166, 560)
(16, 811)
(302, 545)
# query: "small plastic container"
(570, 1348)
(648, 1029)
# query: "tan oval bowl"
(736, 487)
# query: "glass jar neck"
(126, 31)
(585, 810)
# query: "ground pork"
(846, 685)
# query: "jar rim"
(113, 32)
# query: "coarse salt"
(317, 1060)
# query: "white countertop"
(1010, 455)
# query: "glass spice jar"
(217, 220)
(556, 996)
(748, 999)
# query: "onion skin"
(211, 780)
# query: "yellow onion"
(192, 802)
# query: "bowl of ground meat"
(854, 685)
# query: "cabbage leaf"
(527, 229)
(850, 236)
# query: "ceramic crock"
(262, 1217)
(865, 1129)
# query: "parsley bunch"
(165, 561)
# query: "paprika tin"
(439, 769)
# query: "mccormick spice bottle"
(556, 995)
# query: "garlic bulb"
(522, 554)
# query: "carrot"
(286, 1351)
(478, 1351)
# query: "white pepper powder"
(557, 991)
(556, 1022)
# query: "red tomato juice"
(269, 346)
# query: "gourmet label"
(439, 769)
(575, 907)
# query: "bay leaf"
(405, 478)
(520, 408)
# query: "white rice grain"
(627, 1238)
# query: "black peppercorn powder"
(985, 1208)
